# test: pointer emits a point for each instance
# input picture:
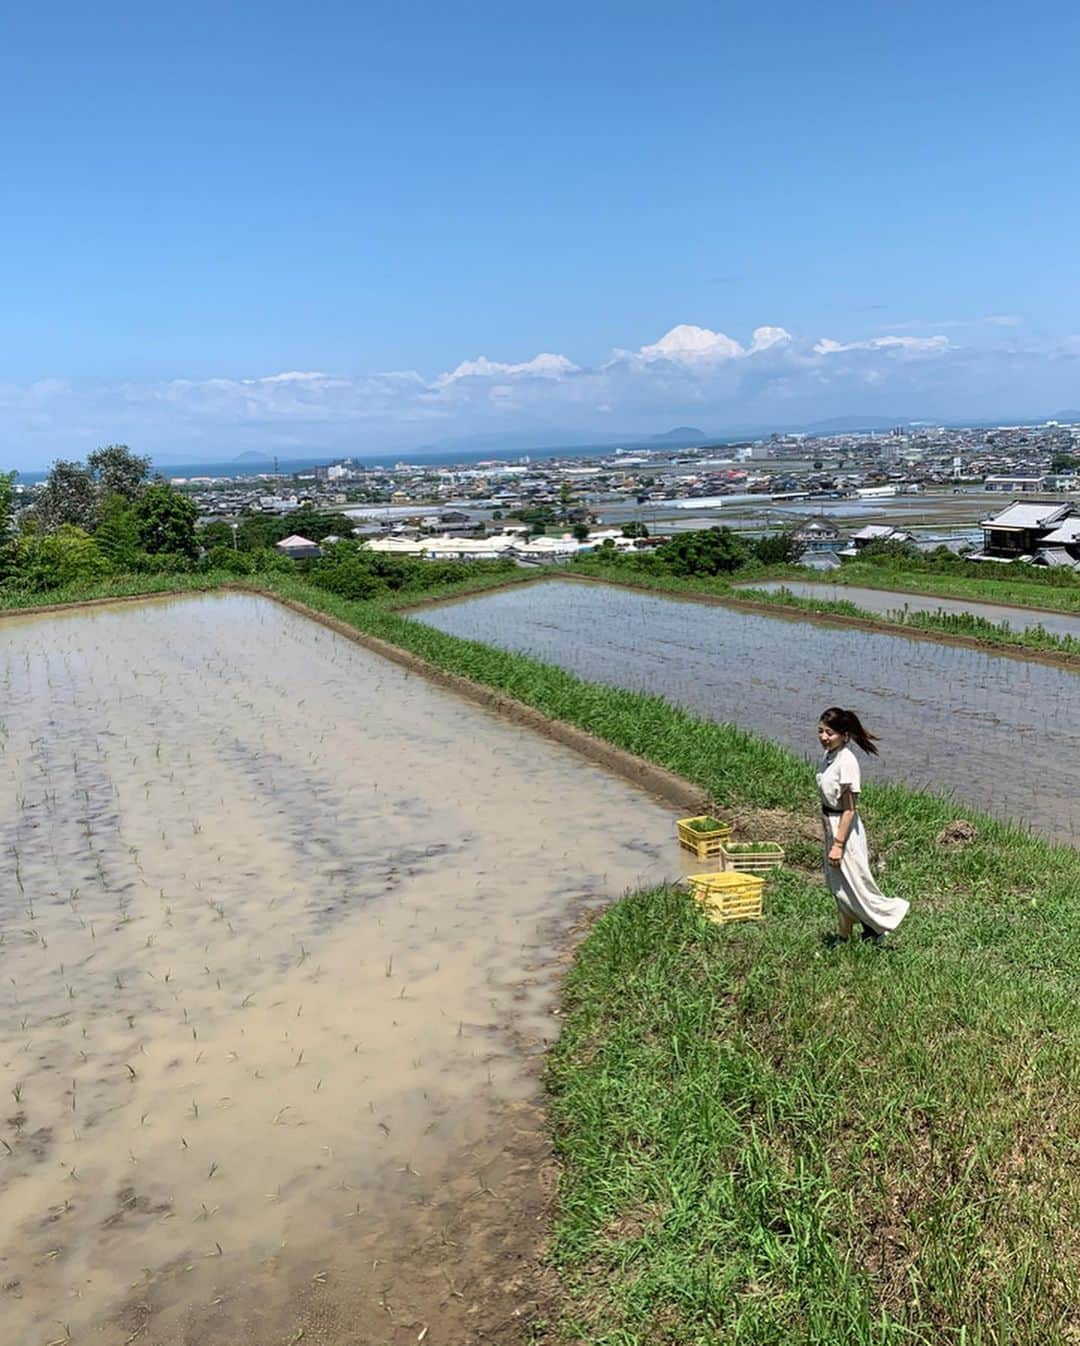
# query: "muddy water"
(268, 906)
(997, 732)
(888, 600)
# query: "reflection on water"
(888, 600)
(1001, 733)
(266, 902)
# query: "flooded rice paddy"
(998, 732)
(276, 931)
(890, 600)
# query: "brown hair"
(847, 722)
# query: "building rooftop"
(1066, 534)
(1055, 556)
(1029, 514)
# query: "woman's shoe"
(834, 941)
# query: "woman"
(847, 860)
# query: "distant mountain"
(682, 434)
(1066, 417)
(840, 425)
(252, 456)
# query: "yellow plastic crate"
(728, 896)
(753, 862)
(705, 845)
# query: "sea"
(251, 467)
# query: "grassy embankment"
(120, 586)
(764, 1142)
(970, 626)
(1062, 596)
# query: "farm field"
(968, 723)
(278, 923)
(891, 600)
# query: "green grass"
(764, 1142)
(1061, 596)
(1035, 638)
(992, 634)
(122, 586)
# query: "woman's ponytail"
(847, 722)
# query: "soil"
(445, 1243)
(283, 925)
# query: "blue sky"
(233, 226)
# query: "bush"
(166, 522)
(55, 560)
(228, 559)
(161, 563)
(347, 575)
(709, 551)
(778, 549)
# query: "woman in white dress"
(847, 858)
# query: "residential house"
(298, 548)
(1013, 485)
(820, 560)
(1061, 547)
(819, 535)
(1022, 528)
(874, 532)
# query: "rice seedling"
(780, 1011)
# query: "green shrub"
(54, 560)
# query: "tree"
(166, 521)
(566, 498)
(69, 497)
(881, 553)
(115, 470)
(1064, 462)
(216, 534)
(117, 534)
(778, 549)
(54, 560)
(7, 523)
(227, 559)
(7, 506)
(543, 515)
(635, 528)
(581, 532)
(709, 551)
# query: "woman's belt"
(832, 813)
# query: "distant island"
(253, 456)
(682, 434)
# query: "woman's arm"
(844, 826)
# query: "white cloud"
(293, 376)
(694, 347)
(765, 338)
(690, 375)
(689, 344)
(933, 345)
(543, 366)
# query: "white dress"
(851, 882)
